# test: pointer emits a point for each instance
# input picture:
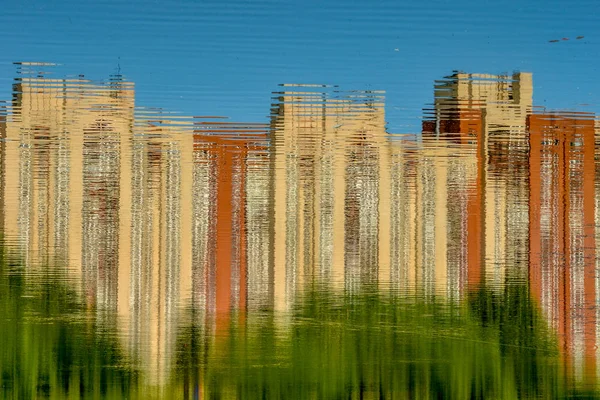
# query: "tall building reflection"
(485, 115)
(229, 236)
(3, 114)
(330, 155)
(61, 132)
(562, 271)
(154, 214)
(529, 200)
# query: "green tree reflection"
(51, 347)
(377, 346)
(368, 345)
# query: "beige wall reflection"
(485, 116)
(331, 189)
(155, 215)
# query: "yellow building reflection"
(161, 219)
(331, 189)
(486, 115)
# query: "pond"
(262, 200)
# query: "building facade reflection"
(485, 115)
(331, 189)
(155, 214)
(562, 270)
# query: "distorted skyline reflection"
(165, 220)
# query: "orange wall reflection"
(154, 213)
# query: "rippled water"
(150, 254)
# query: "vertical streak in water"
(311, 132)
(42, 179)
(457, 226)
(237, 228)
(325, 187)
(138, 255)
(258, 227)
(292, 222)
(399, 221)
(3, 164)
(100, 211)
(427, 200)
(172, 246)
(25, 201)
(576, 261)
(597, 243)
(201, 227)
(61, 190)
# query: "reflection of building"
(525, 196)
(330, 178)
(441, 191)
(64, 141)
(155, 267)
(402, 165)
(3, 113)
(152, 212)
(562, 269)
(121, 200)
(486, 115)
(228, 238)
(189, 241)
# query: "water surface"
(150, 254)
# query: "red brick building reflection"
(221, 152)
(562, 244)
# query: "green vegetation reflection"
(368, 345)
(376, 346)
(51, 346)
